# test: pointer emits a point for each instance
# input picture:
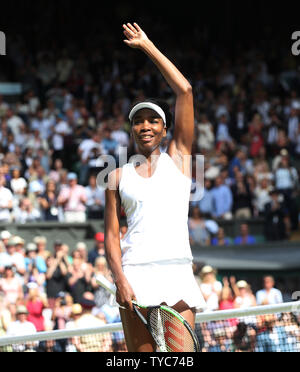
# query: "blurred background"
(66, 86)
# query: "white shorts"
(170, 283)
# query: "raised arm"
(184, 111)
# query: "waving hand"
(136, 37)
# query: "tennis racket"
(170, 331)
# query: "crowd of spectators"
(74, 109)
(263, 333)
(44, 291)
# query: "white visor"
(151, 106)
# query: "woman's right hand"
(125, 294)
(136, 37)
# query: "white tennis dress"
(156, 253)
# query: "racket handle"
(138, 313)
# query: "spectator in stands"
(223, 134)
(88, 149)
(41, 244)
(49, 202)
(293, 128)
(75, 315)
(119, 134)
(206, 205)
(35, 304)
(101, 295)
(222, 199)
(98, 250)
(56, 171)
(290, 324)
(11, 258)
(276, 221)
(56, 276)
(198, 231)
(227, 295)
(5, 236)
(21, 327)
(210, 287)
(32, 259)
(205, 134)
(266, 335)
(244, 338)
(245, 297)
(286, 182)
(238, 163)
(269, 295)
(262, 196)
(255, 136)
(297, 147)
(11, 286)
(6, 201)
(73, 199)
(5, 316)
(110, 146)
(95, 199)
(244, 238)
(79, 279)
(14, 122)
(101, 342)
(81, 248)
(220, 239)
(61, 129)
(26, 212)
(242, 198)
(18, 184)
(61, 315)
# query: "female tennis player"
(152, 264)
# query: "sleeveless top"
(157, 214)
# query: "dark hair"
(164, 106)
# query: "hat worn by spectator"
(31, 247)
(242, 284)
(11, 242)
(87, 304)
(99, 237)
(81, 245)
(40, 239)
(19, 240)
(21, 309)
(76, 309)
(284, 152)
(207, 270)
(72, 176)
(5, 235)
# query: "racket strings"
(169, 332)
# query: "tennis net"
(274, 328)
